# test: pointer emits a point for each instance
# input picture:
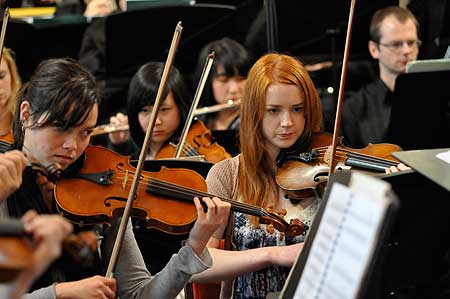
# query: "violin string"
(374, 161)
(167, 186)
(364, 157)
(164, 185)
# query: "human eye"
(272, 110)
(298, 109)
(222, 78)
(239, 78)
(88, 132)
(146, 109)
(397, 44)
(2, 75)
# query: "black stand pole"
(272, 25)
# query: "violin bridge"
(327, 156)
(125, 180)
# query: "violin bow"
(195, 101)
(140, 165)
(3, 33)
(337, 121)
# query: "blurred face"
(167, 121)
(398, 45)
(5, 84)
(227, 88)
(49, 144)
(284, 118)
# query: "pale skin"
(53, 145)
(392, 62)
(12, 164)
(283, 124)
(167, 122)
(5, 94)
(225, 89)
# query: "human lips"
(285, 136)
(64, 159)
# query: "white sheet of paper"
(444, 156)
(343, 245)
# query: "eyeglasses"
(398, 45)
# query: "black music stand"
(420, 115)
(154, 29)
(428, 164)
(416, 264)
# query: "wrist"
(61, 290)
(269, 255)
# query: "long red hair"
(256, 179)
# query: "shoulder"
(358, 100)
(222, 177)
(228, 165)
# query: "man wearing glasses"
(394, 42)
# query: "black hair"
(231, 55)
(143, 90)
(61, 93)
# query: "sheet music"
(444, 156)
(344, 243)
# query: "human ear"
(374, 49)
(25, 111)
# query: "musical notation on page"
(346, 237)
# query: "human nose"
(158, 121)
(70, 142)
(233, 87)
(286, 119)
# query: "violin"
(305, 173)
(98, 192)
(17, 249)
(199, 143)
(16, 255)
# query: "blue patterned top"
(260, 283)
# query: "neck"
(6, 122)
(224, 118)
(388, 79)
(153, 149)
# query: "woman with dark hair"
(226, 82)
(57, 111)
(173, 110)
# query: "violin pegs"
(282, 213)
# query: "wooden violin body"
(305, 174)
(199, 142)
(98, 194)
(17, 256)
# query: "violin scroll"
(276, 220)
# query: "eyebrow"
(276, 105)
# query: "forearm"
(227, 264)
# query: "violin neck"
(171, 190)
